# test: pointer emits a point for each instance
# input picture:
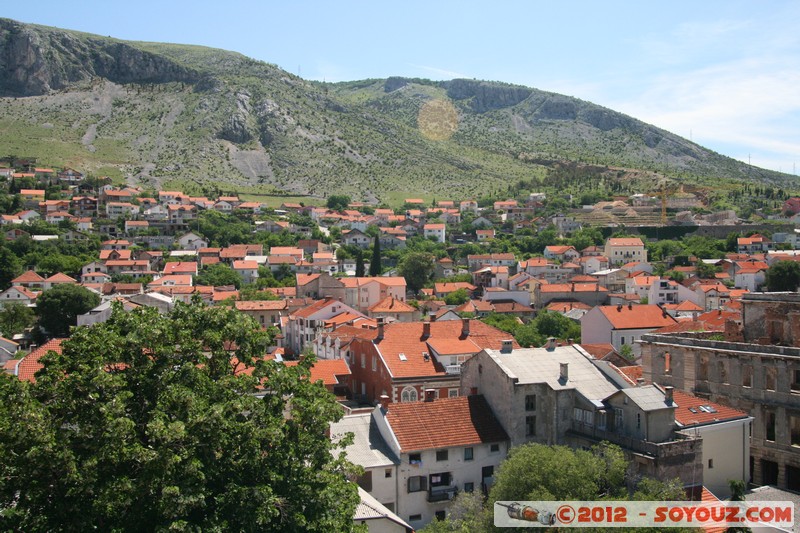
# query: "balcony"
(453, 369)
(652, 449)
(441, 494)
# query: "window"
(387, 473)
(711, 463)
(619, 425)
(795, 386)
(441, 455)
(494, 448)
(363, 360)
(638, 420)
(415, 458)
(415, 518)
(530, 426)
(468, 454)
(530, 402)
(469, 487)
(440, 515)
(409, 394)
(770, 429)
(722, 370)
(747, 375)
(417, 483)
(374, 363)
(622, 340)
(667, 363)
(452, 393)
(770, 377)
(702, 371)
(794, 428)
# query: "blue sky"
(724, 73)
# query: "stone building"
(756, 369)
(561, 395)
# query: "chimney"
(619, 308)
(431, 317)
(668, 395)
(384, 402)
(507, 346)
(551, 344)
(430, 395)
(630, 306)
(563, 373)
(426, 330)
(380, 329)
(465, 327)
(639, 382)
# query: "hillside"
(210, 120)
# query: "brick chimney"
(465, 327)
(384, 402)
(563, 372)
(551, 344)
(506, 346)
(426, 329)
(379, 338)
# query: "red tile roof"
(261, 305)
(689, 412)
(29, 365)
(444, 423)
(636, 316)
(390, 304)
(28, 277)
(407, 338)
(326, 370)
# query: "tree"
(338, 202)
(539, 472)
(417, 268)
(466, 514)
(360, 264)
(217, 275)
(15, 318)
(58, 308)
(457, 297)
(375, 266)
(10, 267)
(783, 276)
(144, 423)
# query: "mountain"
(209, 120)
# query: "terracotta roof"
(448, 287)
(572, 287)
(632, 372)
(326, 370)
(625, 241)
(390, 304)
(444, 423)
(60, 277)
(718, 318)
(565, 306)
(245, 265)
(407, 338)
(28, 277)
(180, 267)
(598, 351)
(693, 411)
(29, 365)
(261, 305)
(636, 316)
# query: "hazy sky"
(724, 73)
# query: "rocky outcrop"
(35, 61)
(486, 96)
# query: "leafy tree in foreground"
(144, 424)
(58, 308)
(218, 275)
(10, 267)
(14, 318)
(783, 276)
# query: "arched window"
(409, 394)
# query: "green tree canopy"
(217, 275)
(783, 276)
(457, 297)
(417, 268)
(58, 308)
(14, 318)
(337, 202)
(375, 265)
(10, 267)
(144, 424)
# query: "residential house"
(561, 253)
(620, 250)
(247, 269)
(304, 325)
(403, 359)
(390, 309)
(121, 209)
(18, 294)
(355, 237)
(434, 231)
(266, 312)
(444, 446)
(588, 293)
(622, 325)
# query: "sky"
(724, 74)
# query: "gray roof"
(368, 449)
(648, 398)
(370, 509)
(539, 365)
